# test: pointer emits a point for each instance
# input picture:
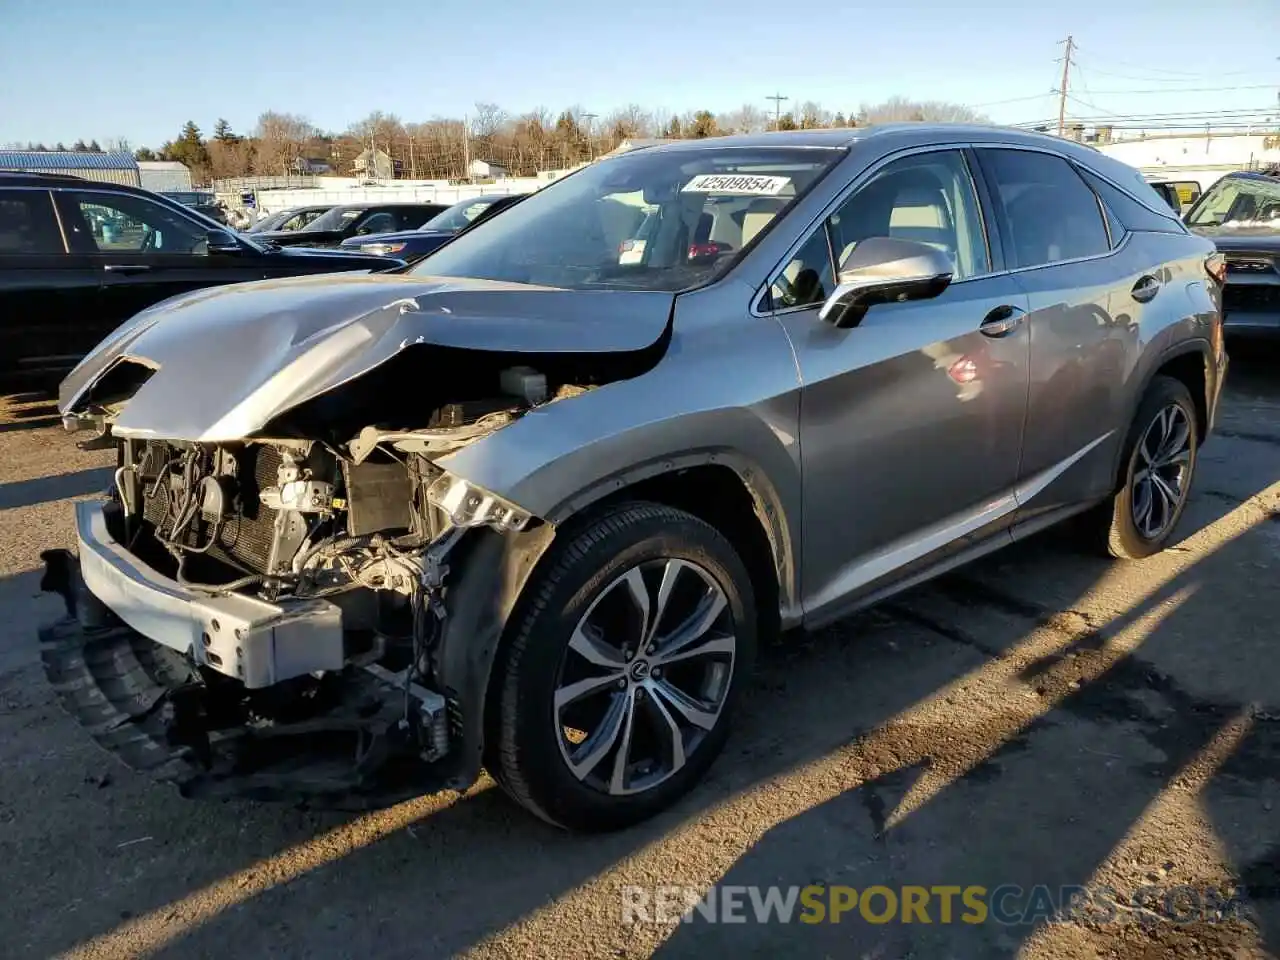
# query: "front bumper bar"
(257, 642)
(149, 691)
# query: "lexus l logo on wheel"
(639, 670)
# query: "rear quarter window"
(1132, 214)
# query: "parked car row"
(535, 502)
(79, 258)
(349, 220)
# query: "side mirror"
(220, 241)
(885, 270)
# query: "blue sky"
(140, 68)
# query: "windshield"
(1238, 202)
(335, 219)
(649, 220)
(460, 214)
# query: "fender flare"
(488, 573)
(1180, 349)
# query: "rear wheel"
(618, 683)
(1163, 444)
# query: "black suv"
(78, 258)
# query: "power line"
(1167, 90)
(996, 103)
(1176, 73)
(1190, 78)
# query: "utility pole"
(413, 167)
(466, 148)
(591, 143)
(777, 99)
(1062, 90)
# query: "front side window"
(460, 214)
(1051, 213)
(649, 220)
(27, 224)
(1238, 202)
(380, 222)
(123, 223)
(928, 198)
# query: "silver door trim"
(909, 549)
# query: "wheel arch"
(1189, 362)
(490, 571)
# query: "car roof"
(374, 204)
(1250, 175)
(848, 136)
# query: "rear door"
(144, 251)
(1086, 297)
(47, 295)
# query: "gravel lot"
(1042, 717)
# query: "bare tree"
(748, 118)
(281, 138)
(900, 109)
(488, 119)
(628, 123)
(813, 116)
(117, 145)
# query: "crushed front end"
(265, 617)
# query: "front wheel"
(616, 689)
(1163, 444)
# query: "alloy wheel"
(1161, 472)
(645, 676)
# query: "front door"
(911, 422)
(145, 251)
(47, 295)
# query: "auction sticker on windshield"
(736, 184)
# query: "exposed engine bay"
(288, 591)
(320, 574)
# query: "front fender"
(560, 458)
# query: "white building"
(164, 176)
(1203, 158)
(484, 170)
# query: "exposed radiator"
(244, 540)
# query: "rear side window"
(1129, 211)
(1050, 213)
(28, 225)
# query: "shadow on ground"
(1041, 795)
(25, 493)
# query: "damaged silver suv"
(532, 505)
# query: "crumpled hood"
(230, 359)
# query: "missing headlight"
(468, 505)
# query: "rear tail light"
(699, 250)
(1216, 266)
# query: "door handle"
(1001, 321)
(1146, 289)
(126, 267)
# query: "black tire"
(1114, 523)
(524, 748)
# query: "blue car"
(413, 245)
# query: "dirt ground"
(1042, 717)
